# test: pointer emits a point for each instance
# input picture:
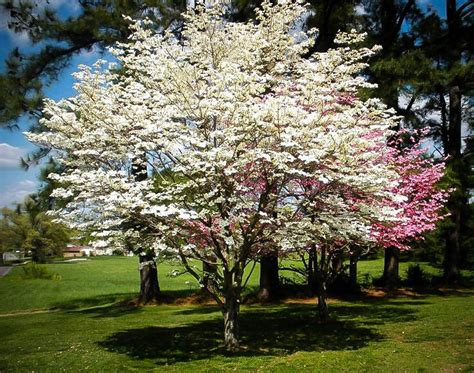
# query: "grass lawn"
(78, 326)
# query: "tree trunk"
(452, 250)
(269, 280)
(311, 272)
(338, 281)
(320, 283)
(149, 286)
(231, 326)
(337, 264)
(456, 205)
(353, 271)
(323, 310)
(391, 267)
(453, 238)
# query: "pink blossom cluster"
(420, 210)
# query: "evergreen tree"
(30, 230)
(447, 45)
(99, 24)
(384, 20)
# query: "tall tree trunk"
(455, 122)
(338, 281)
(269, 280)
(149, 286)
(456, 205)
(391, 267)
(452, 249)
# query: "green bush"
(36, 271)
(367, 281)
(416, 276)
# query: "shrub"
(416, 277)
(35, 271)
(367, 281)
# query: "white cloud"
(21, 39)
(16, 192)
(89, 54)
(18, 39)
(360, 10)
(10, 156)
(71, 5)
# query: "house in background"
(12, 256)
(72, 251)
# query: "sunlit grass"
(81, 326)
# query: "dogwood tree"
(247, 144)
(418, 204)
(420, 210)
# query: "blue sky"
(16, 183)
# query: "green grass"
(85, 330)
(96, 281)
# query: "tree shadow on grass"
(377, 313)
(117, 300)
(99, 300)
(270, 331)
(109, 311)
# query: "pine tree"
(99, 24)
(448, 47)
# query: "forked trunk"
(231, 327)
(209, 271)
(149, 286)
(391, 267)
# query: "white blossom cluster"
(240, 141)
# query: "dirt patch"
(386, 293)
(194, 299)
(411, 293)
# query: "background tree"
(97, 24)
(448, 48)
(30, 230)
(391, 70)
(14, 228)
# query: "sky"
(16, 183)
